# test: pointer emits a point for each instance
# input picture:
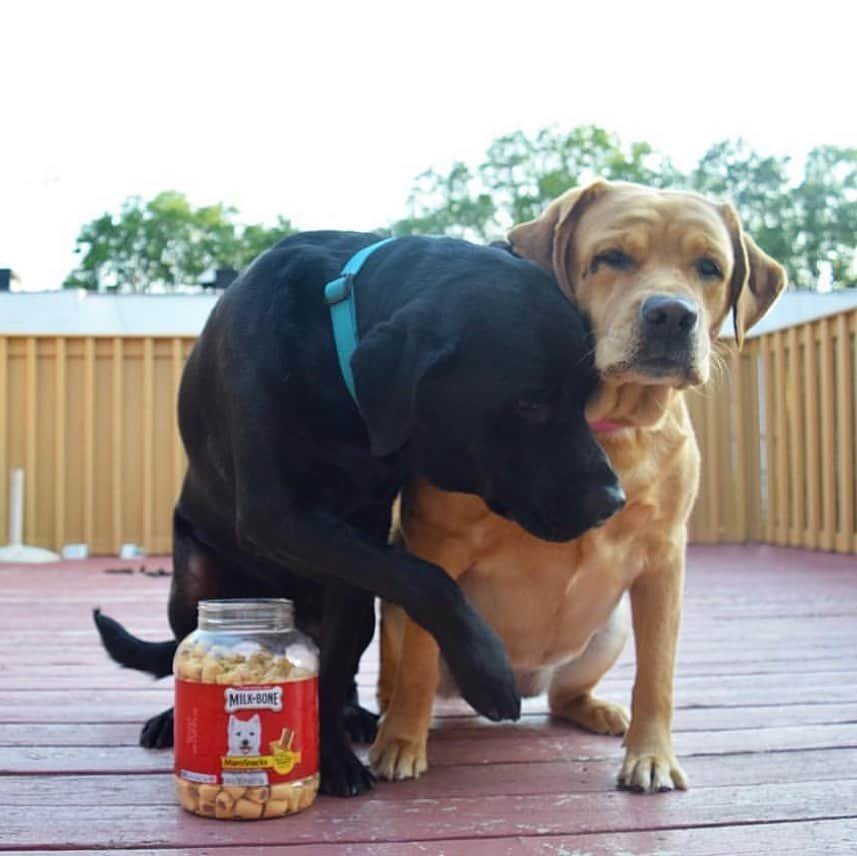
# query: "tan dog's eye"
(612, 258)
(708, 268)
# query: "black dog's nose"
(601, 503)
(667, 316)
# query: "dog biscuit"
(248, 810)
(230, 803)
(195, 663)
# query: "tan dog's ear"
(757, 279)
(546, 239)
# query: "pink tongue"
(605, 427)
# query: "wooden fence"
(91, 420)
(777, 432)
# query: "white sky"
(325, 112)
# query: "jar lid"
(259, 615)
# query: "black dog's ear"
(389, 365)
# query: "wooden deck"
(766, 728)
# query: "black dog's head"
(482, 385)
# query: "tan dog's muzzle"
(668, 330)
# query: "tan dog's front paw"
(595, 714)
(397, 758)
(651, 772)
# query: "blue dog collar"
(343, 313)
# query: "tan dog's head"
(656, 271)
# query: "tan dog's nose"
(668, 316)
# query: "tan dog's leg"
(392, 629)
(650, 764)
(570, 694)
(399, 750)
(392, 639)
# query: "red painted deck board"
(766, 727)
(834, 837)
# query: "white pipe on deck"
(16, 551)
(16, 508)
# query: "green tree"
(807, 223)
(826, 205)
(165, 243)
(520, 175)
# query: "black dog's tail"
(156, 658)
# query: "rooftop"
(76, 312)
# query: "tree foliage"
(520, 176)
(808, 222)
(804, 215)
(166, 243)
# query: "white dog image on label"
(244, 735)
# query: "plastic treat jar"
(246, 712)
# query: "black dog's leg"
(361, 725)
(196, 576)
(349, 621)
(157, 731)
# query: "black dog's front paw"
(157, 733)
(342, 774)
(361, 725)
(484, 677)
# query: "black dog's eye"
(708, 268)
(612, 258)
(535, 410)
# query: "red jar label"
(246, 736)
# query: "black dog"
(462, 377)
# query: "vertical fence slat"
(89, 440)
(177, 364)
(853, 331)
(739, 531)
(813, 473)
(845, 435)
(794, 392)
(780, 475)
(726, 458)
(828, 438)
(30, 441)
(116, 430)
(750, 429)
(771, 510)
(60, 436)
(709, 467)
(148, 423)
(4, 435)
(853, 476)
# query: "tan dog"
(657, 272)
